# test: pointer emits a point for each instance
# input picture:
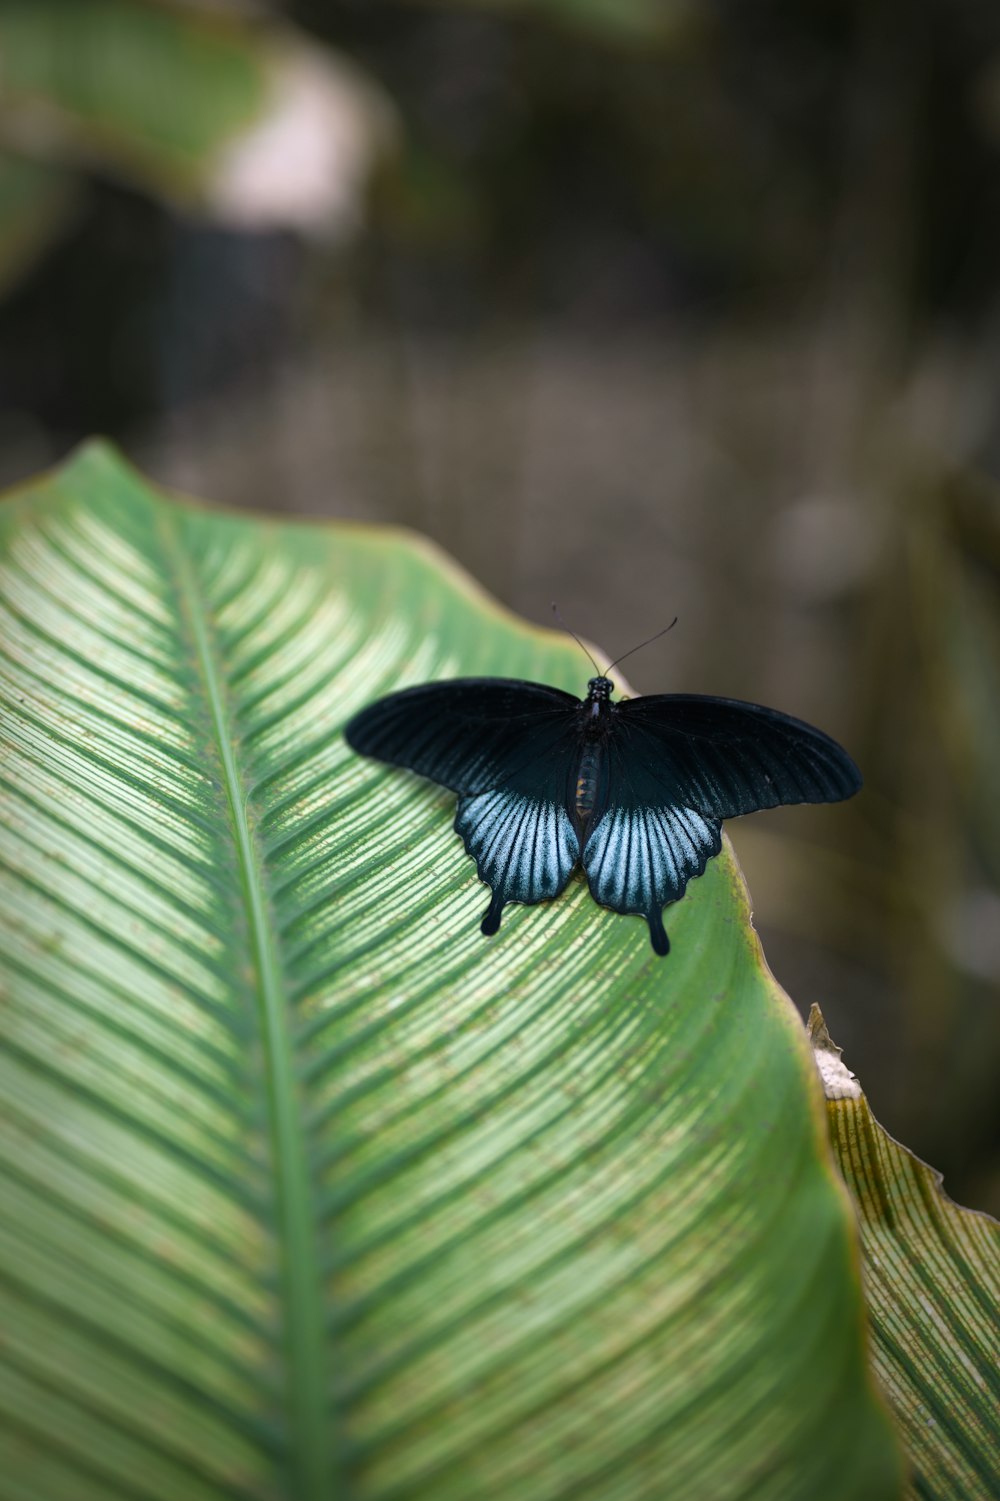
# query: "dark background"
(653, 309)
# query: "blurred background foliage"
(649, 306)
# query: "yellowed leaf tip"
(838, 1081)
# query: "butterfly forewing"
(469, 734)
(725, 757)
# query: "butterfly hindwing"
(469, 734)
(524, 846)
(640, 857)
(725, 757)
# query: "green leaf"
(253, 124)
(932, 1280)
(158, 88)
(308, 1189)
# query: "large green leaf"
(932, 1278)
(308, 1189)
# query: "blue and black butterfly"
(634, 791)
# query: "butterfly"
(634, 791)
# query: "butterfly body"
(588, 778)
(634, 791)
(594, 717)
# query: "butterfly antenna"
(666, 628)
(555, 611)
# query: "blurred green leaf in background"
(229, 115)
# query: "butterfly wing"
(643, 848)
(725, 757)
(469, 734)
(509, 749)
(678, 765)
(524, 844)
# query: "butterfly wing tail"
(658, 933)
(491, 921)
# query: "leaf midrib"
(309, 1453)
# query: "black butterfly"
(635, 791)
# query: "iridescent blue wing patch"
(525, 847)
(638, 858)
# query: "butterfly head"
(599, 690)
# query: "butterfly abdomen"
(588, 777)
